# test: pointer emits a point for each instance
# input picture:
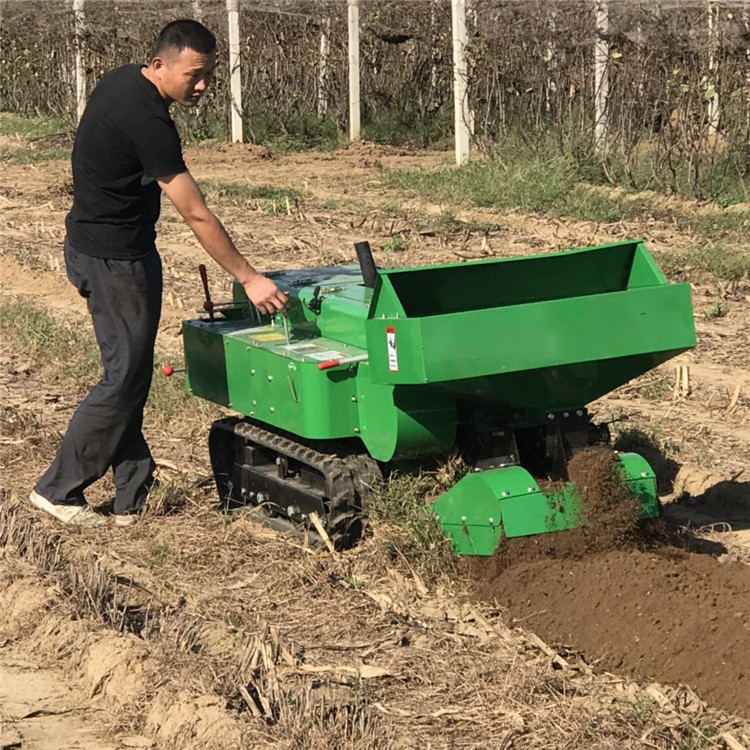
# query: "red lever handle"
(328, 363)
(168, 370)
(208, 306)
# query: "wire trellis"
(530, 68)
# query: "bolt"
(566, 414)
(551, 417)
(579, 412)
(252, 372)
(644, 473)
(255, 403)
(271, 409)
(530, 489)
(354, 399)
(463, 519)
(356, 429)
(270, 378)
(491, 521)
(506, 493)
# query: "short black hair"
(185, 34)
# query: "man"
(127, 151)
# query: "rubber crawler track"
(349, 477)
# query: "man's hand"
(188, 199)
(264, 294)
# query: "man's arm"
(187, 198)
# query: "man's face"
(184, 76)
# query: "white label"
(390, 335)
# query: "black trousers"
(124, 300)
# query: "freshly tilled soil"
(629, 595)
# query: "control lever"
(169, 370)
(316, 301)
(208, 306)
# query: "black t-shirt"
(126, 139)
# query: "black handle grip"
(366, 263)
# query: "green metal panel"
(471, 512)
(344, 312)
(570, 325)
(404, 422)
(533, 336)
(254, 370)
(459, 287)
(486, 505)
(536, 392)
(290, 394)
(644, 271)
(641, 481)
(205, 363)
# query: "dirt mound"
(625, 594)
(612, 520)
(679, 616)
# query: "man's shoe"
(127, 519)
(73, 515)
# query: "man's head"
(183, 62)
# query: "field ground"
(189, 631)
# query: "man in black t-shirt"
(127, 152)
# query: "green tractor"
(495, 360)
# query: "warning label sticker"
(390, 335)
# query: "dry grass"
(378, 647)
(309, 648)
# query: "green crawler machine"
(495, 360)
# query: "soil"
(627, 593)
(663, 613)
(148, 632)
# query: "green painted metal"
(520, 337)
(532, 336)
(254, 370)
(484, 506)
(402, 421)
(580, 323)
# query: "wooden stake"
(462, 115)
(80, 69)
(235, 75)
(354, 97)
(601, 77)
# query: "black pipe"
(366, 263)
